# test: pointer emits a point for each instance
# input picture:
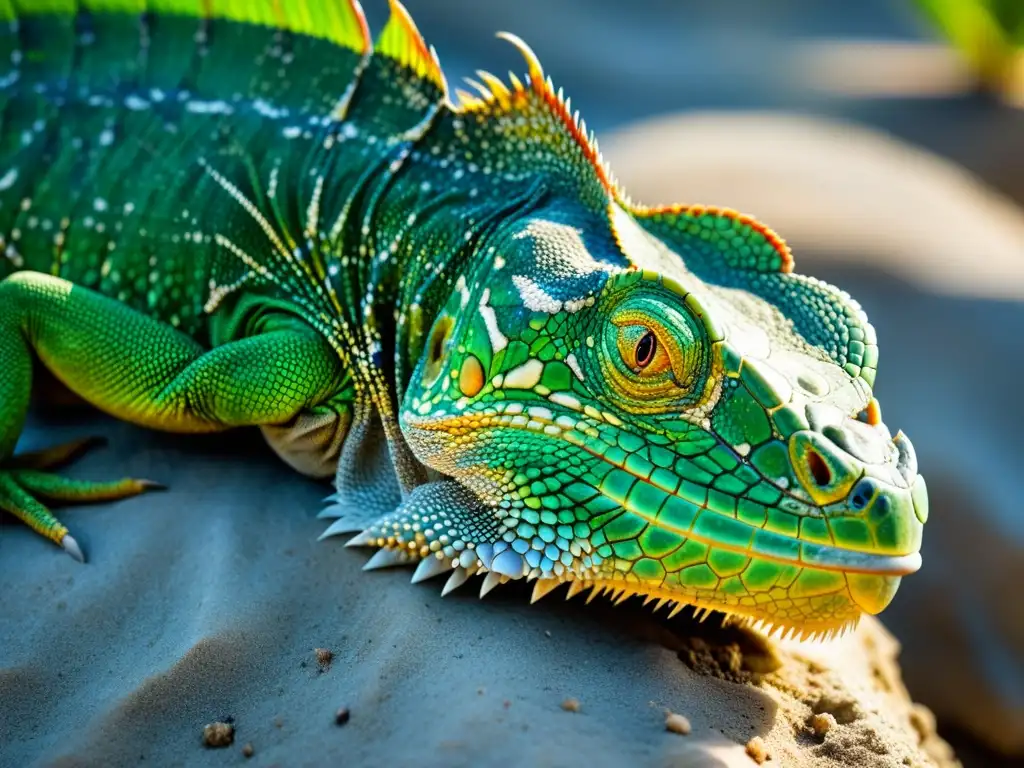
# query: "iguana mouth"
(761, 543)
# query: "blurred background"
(884, 139)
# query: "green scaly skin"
(235, 213)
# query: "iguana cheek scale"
(229, 214)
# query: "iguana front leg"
(142, 371)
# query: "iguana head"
(646, 401)
(629, 423)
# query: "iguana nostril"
(819, 469)
(862, 494)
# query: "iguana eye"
(641, 350)
(653, 354)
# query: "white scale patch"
(560, 250)
(534, 297)
(574, 365)
(8, 179)
(498, 340)
(525, 376)
(209, 107)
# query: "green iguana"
(224, 213)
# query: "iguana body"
(244, 214)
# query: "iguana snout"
(876, 502)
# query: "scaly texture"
(222, 214)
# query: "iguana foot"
(23, 481)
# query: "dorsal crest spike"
(498, 88)
(674, 222)
(479, 87)
(353, 16)
(533, 66)
(467, 100)
(401, 41)
(536, 94)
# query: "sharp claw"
(430, 567)
(342, 525)
(72, 548)
(362, 540)
(386, 558)
(339, 510)
(542, 587)
(575, 587)
(456, 580)
(151, 485)
(491, 580)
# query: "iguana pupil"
(645, 349)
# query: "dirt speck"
(248, 751)
(677, 723)
(571, 705)
(324, 657)
(342, 716)
(758, 750)
(218, 735)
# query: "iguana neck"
(411, 232)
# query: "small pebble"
(218, 734)
(342, 716)
(822, 723)
(248, 751)
(923, 721)
(571, 705)
(758, 750)
(324, 657)
(677, 724)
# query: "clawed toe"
(23, 482)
